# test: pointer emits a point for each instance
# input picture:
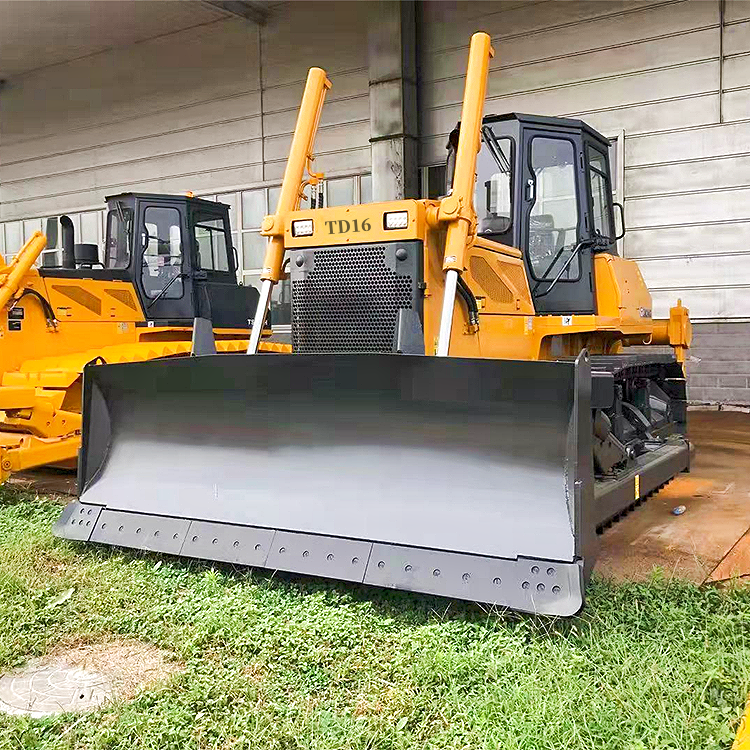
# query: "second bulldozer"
(459, 415)
(168, 261)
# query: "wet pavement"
(710, 540)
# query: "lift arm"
(300, 155)
(11, 276)
(457, 209)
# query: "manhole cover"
(43, 690)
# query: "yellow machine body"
(43, 351)
(458, 416)
(509, 326)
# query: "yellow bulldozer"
(460, 413)
(168, 263)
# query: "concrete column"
(392, 64)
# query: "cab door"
(164, 260)
(554, 223)
(219, 297)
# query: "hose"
(471, 301)
(49, 312)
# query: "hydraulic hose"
(470, 300)
(49, 312)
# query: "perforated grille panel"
(490, 281)
(347, 298)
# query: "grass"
(292, 662)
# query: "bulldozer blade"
(466, 478)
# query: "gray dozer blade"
(466, 478)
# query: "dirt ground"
(711, 539)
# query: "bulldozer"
(460, 414)
(166, 284)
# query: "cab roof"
(167, 197)
(547, 122)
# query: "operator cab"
(177, 252)
(544, 186)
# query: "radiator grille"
(349, 302)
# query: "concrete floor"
(712, 535)
(711, 540)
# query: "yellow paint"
(508, 325)
(637, 484)
(742, 740)
(300, 156)
(12, 275)
(457, 209)
(41, 365)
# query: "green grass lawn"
(275, 661)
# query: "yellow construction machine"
(168, 261)
(460, 413)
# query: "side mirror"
(621, 233)
(51, 232)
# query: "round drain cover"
(43, 690)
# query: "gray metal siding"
(676, 82)
(184, 111)
(652, 70)
(212, 109)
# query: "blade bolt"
(408, 568)
(525, 585)
(306, 553)
(381, 564)
(535, 569)
(355, 560)
(555, 589)
(329, 556)
(466, 576)
(540, 587)
(550, 571)
(436, 572)
(282, 550)
(496, 581)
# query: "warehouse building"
(202, 96)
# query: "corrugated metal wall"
(211, 109)
(674, 79)
(182, 112)
(652, 70)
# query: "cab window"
(600, 192)
(553, 220)
(117, 249)
(493, 190)
(211, 241)
(162, 253)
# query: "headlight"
(302, 228)
(396, 220)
